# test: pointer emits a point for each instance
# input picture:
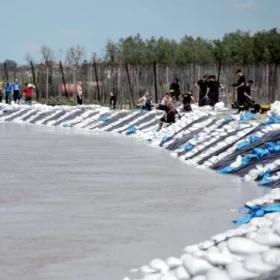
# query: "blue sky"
(27, 25)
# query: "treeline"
(235, 48)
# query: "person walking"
(28, 93)
(8, 92)
(213, 90)
(1, 91)
(16, 91)
(202, 85)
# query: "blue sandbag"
(251, 139)
(104, 119)
(187, 147)
(272, 119)
(165, 139)
(247, 116)
(248, 158)
(257, 211)
(131, 130)
(226, 170)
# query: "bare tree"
(74, 57)
(48, 56)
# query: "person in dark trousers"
(202, 85)
(169, 117)
(79, 93)
(213, 90)
(1, 91)
(8, 92)
(240, 86)
(166, 102)
(187, 98)
(112, 101)
(175, 89)
(16, 91)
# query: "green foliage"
(235, 48)
(56, 101)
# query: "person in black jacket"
(175, 89)
(240, 87)
(213, 90)
(202, 85)
(187, 98)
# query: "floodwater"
(91, 207)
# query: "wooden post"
(155, 81)
(97, 81)
(6, 74)
(34, 80)
(63, 79)
(47, 82)
(219, 71)
(129, 85)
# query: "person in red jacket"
(28, 93)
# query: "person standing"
(202, 85)
(175, 89)
(28, 93)
(166, 102)
(213, 90)
(8, 92)
(240, 86)
(16, 91)
(1, 91)
(112, 101)
(79, 94)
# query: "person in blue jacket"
(8, 92)
(16, 91)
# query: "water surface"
(91, 207)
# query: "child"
(169, 117)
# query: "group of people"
(209, 89)
(13, 91)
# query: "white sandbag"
(173, 262)
(181, 273)
(159, 265)
(256, 264)
(272, 257)
(145, 269)
(195, 266)
(266, 238)
(236, 271)
(245, 246)
(217, 274)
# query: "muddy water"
(90, 207)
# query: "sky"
(27, 25)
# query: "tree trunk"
(34, 80)
(6, 72)
(47, 83)
(155, 81)
(130, 86)
(97, 82)
(63, 79)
